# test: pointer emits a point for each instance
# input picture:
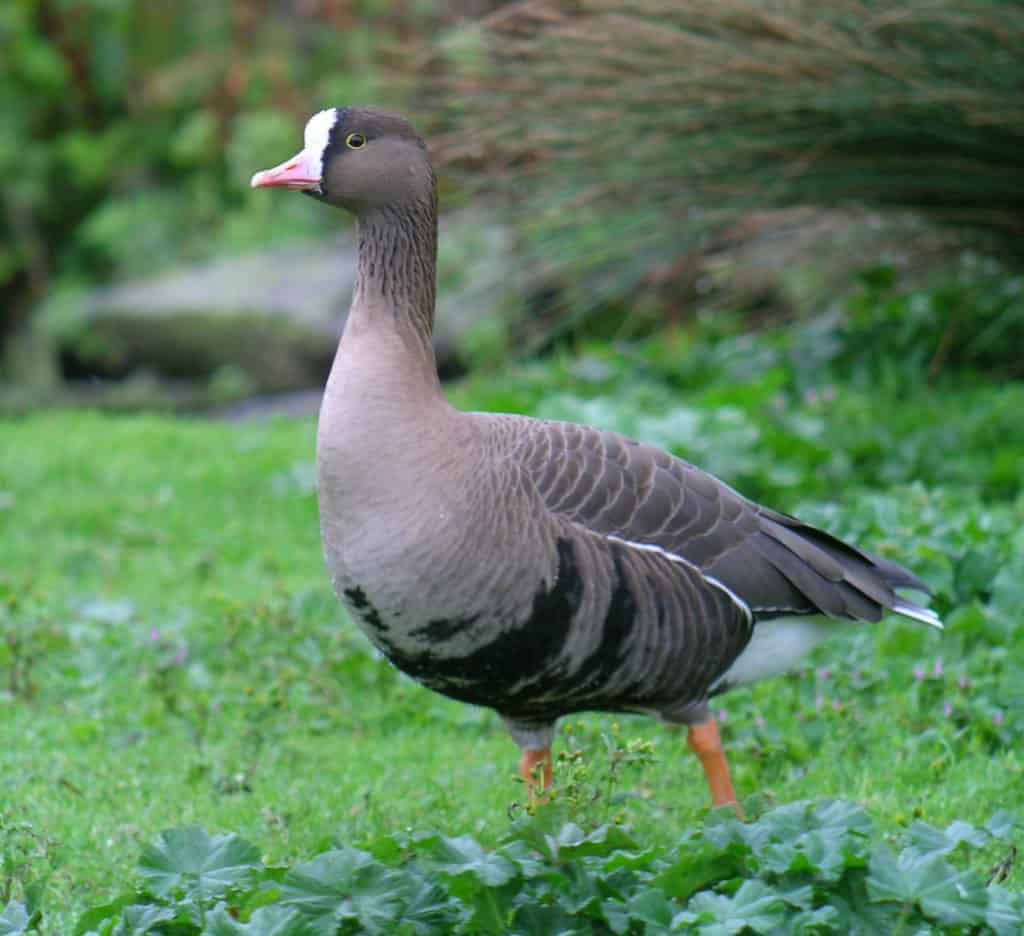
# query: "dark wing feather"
(613, 485)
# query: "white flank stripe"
(674, 557)
(924, 615)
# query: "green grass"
(170, 651)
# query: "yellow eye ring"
(355, 141)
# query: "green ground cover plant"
(802, 867)
(194, 739)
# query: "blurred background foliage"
(634, 136)
(128, 131)
(650, 159)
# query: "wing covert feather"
(613, 485)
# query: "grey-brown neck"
(395, 279)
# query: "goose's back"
(775, 564)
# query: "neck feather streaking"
(398, 262)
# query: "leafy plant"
(27, 639)
(15, 919)
(26, 862)
(803, 867)
(131, 141)
(969, 319)
(590, 768)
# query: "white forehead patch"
(316, 135)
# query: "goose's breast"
(483, 635)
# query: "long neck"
(395, 279)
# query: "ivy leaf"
(535, 920)
(14, 920)
(800, 896)
(842, 815)
(818, 853)
(344, 884)
(92, 918)
(426, 907)
(572, 842)
(526, 860)
(464, 855)
(923, 839)
(723, 829)
(139, 919)
(628, 860)
(275, 920)
(579, 893)
(857, 915)
(652, 908)
(482, 881)
(617, 916)
(317, 885)
(698, 869)
(754, 906)
(943, 893)
(818, 920)
(1003, 824)
(221, 923)
(191, 863)
(820, 838)
(1005, 913)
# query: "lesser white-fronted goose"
(539, 568)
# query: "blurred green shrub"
(129, 131)
(973, 319)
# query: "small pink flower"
(998, 717)
(154, 634)
(937, 668)
(819, 701)
(180, 657)
(722, 715)
(824, 673)
(811, 395)
(963, 682)
(947, 709)
(918, 673)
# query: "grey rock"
(266, 322)
(271, 319)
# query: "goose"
(536, 567)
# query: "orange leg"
(706, 743)
(528, 764)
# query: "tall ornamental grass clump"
(629, 133)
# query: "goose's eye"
(355, 140)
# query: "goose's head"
(358, 158)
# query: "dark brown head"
(358, 158)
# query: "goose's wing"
(773, 563)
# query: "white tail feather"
(924, 615)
